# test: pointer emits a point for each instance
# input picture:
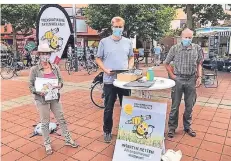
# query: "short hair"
(186, 30)
(117, 19)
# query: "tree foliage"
(22, 17)
(203, 14)
(144, 20)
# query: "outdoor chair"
(210, 78)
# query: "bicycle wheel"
(7, 72)
(97, 95)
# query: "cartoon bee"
(141, 128)
(50, 34)
(56, 43)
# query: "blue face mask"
(117, 31)
(186, 42)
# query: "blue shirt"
(157, 50)
(115, 55)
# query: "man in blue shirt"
(114, 53)
(157, 52)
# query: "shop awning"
(213, 31)
(221, 33)
(224, 33)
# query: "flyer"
(46, 86)
(141, 130)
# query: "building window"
(83, 10)
(78, 11)
(81, 25)
(183, 23)
(227, 6)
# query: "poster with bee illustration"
(54, 28)
(141, 130)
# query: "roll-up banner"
(54, 27)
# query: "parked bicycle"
(83, 64)
(97, 94)
(11, 67)
(70, 63)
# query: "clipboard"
(120, 71)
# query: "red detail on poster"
(57, 60)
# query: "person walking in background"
(47, 70)
(157, 52)
(163, 54)
(28, 59)
(114, 53)
(69, 51)
(187, 61)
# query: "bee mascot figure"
(141, 128)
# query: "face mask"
(44, 58)
(186, 42)
(117, 31)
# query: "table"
(160, 84)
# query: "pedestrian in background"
(47, 70)
(157, 52)
(115, 52)
(163, 54)
(28, 59)
(187, 61)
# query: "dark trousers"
(28, 62)
(111, 92)
(186, 86)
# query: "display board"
(141, 130)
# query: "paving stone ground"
(211, 121)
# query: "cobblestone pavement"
(211, 120)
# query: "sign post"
(75, 38)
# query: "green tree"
(145, 21)
(22, 17)
(203, 13)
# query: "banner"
(141, 130)
(54, 27)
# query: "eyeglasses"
(117, 26)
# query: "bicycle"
(70, 64)
(87, 64)
(11, 67)
(97, 94)
(91, 62)
(69, 57)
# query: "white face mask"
(45, 58)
